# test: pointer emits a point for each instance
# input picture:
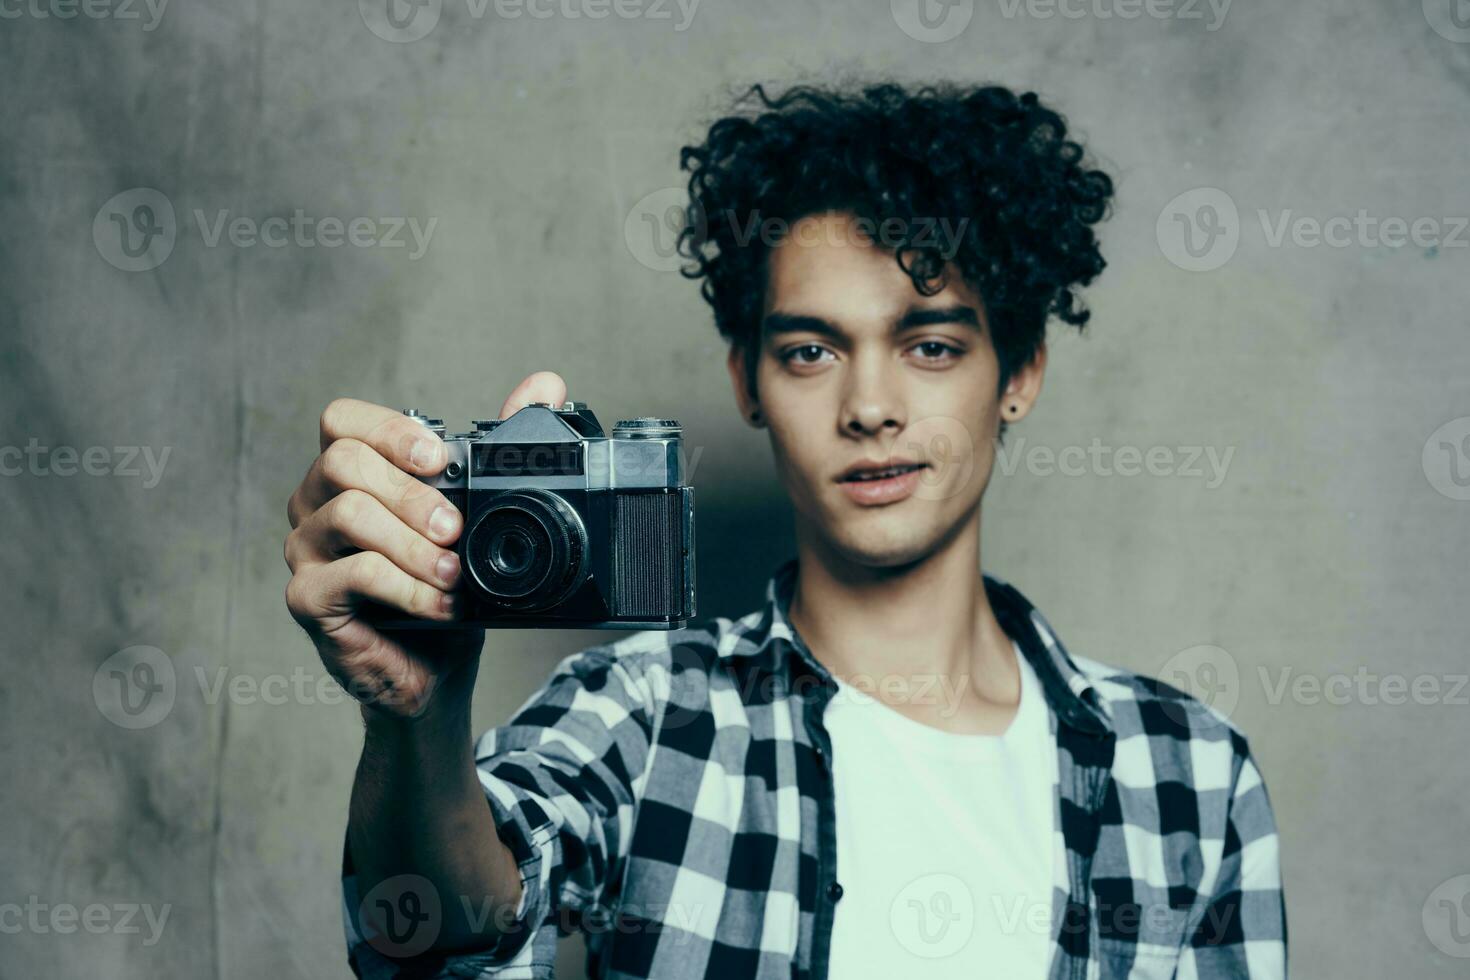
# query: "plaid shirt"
(669, 794)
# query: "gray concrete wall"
(1333, 546)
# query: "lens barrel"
(527, 550)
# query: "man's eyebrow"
(779, 323)
(931, 316)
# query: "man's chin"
(886, 547)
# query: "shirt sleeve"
(1241, 933)
(562, 778)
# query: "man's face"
(856, 367)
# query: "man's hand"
(365, 529)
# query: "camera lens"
(511, 551)
(527, 549)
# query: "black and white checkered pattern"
(669, 794)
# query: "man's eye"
(805, 353)
(935, 350)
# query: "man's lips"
(865, 472)
(871, 488)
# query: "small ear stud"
(755, 416)
(1014, 409)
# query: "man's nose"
(872, 401)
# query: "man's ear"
(735, 364)
(1024, 387)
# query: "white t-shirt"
(945, 842)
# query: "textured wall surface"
(1311, 579)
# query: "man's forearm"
(418, 808)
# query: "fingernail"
(424, 453)
(447, 568)
(446, 603)
(443, 521)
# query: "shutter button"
(834, 891)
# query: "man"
(893, 768)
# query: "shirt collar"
(768, 636)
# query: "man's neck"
(921, 637)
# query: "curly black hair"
(1000, 159)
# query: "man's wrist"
(445, 713)
(445, 703)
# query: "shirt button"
(834, 891)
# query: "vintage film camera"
(566, 527)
